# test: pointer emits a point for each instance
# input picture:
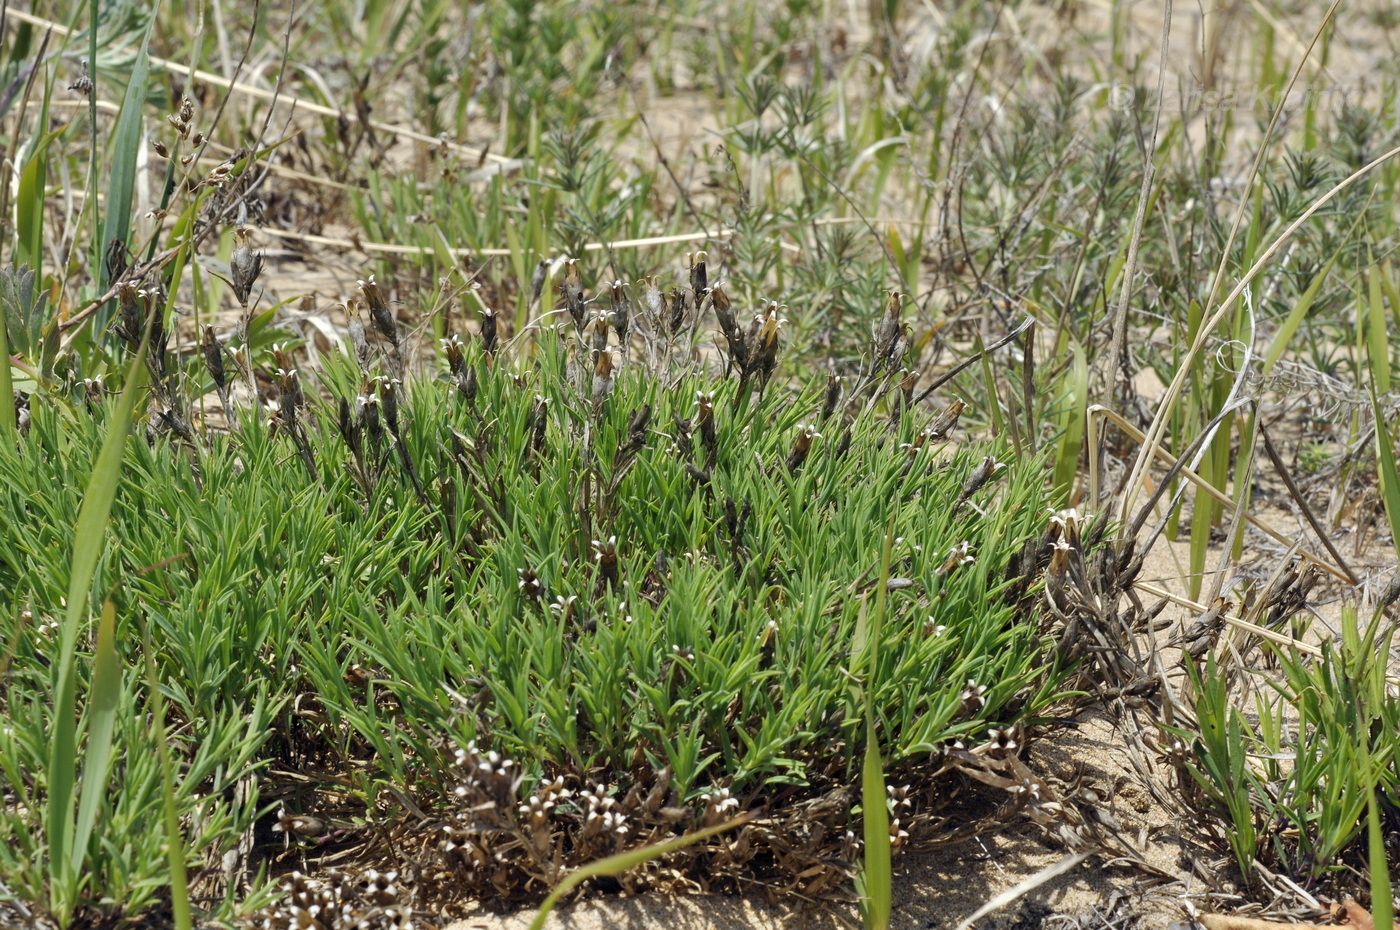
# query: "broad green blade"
(1382, 902)
(87, 547)
(126, 149)
(103, 699)
(878, 878)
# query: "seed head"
(489, 336)
(379, 313)
(945, 421)
(621, 312)
(213, 357)
(598, 332)
(699, 279)
(602, 375)
(572, 289)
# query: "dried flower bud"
(705, 405)
(621, 312)
(653, 303)
(945, 421)
(214, 357)
(802, 445)
(244, 264)
(489, 335)
(161, 149)
(984, 472)
(699, 280)
(456, 357)
(598, 332)
(676, 320)
(907, 382)
(605, 554)
(537, 283)
(888, 329)
(529, 583)
(572, 289)
(379, 313)
(132, 313)
(832, 398)
(389, 396)
(356, 327)
(602, 375)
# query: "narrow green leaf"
(126, 148)
(622, 862)
(29, 204)
(1290, 324)
(1382, 901)
(103, 700)
(87, 547)
(8, 421)
(878, 879)
(1377, 343)
(1072, 422)
(174, 841)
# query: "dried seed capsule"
(379, 313)
(677, 316)
(699, 279)
(214, 358)
(653, 303)
(621, 312)
(802, 445)
(946, 420)
(832, 397)
(572, 289)
(245, 265)
(489, 335)
(537, 283)
(602, 376)
(887, 330)
(598, 332)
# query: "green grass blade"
(622, 862)
(29, 204)
(1385, 449)
(174, 841)
(1290, 324)
(1377, 343)
(1382, 901)
(8, 421)
(878, 880)
(87, 547)
(1072, 421)
(126, 148)
(103, 699)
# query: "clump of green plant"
(572, 595)
(1292, 782)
